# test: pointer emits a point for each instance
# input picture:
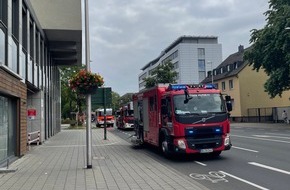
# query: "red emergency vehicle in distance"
(102, 118)
(126, 117)
(185, 119)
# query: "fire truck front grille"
(204, 143)
(204, 137)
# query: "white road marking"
(268, 136)
(262, 136)
(269, 167)
(263, 139)
(243, 180)
(280, 134)
(240, 148)
(200, 163)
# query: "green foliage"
(271, 48)
(84, 80)
(115, 100)
(163, 73)
(70, 101)
(65, 121)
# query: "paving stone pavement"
(60, 164)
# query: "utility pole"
(88, 96)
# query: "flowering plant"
(85, 81)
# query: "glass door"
(8, 118)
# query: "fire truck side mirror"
(229, 103)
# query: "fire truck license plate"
(206, 150)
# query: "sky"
(125, 35)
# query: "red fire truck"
(102, 118)
(126, 118)
(185, 119)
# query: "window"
(29, 70)
(223, 86)
(233, 103)
(24, 28)
(201, 69)
(2, 46)
(177, 76)
(15, 36)
(231, 84)
(14, 65)
(200, 53)
(176, 65)
(216, 85)
(15, 19)
(31, 36)
(141, 77)
(3, 11)
(23, 65)
(3, 30)
(171, 57)
(152, 71)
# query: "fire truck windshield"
(199, 104)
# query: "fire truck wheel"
(164, 145)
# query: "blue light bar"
(190, 132)
(209, 86)
(218, 130)
(177, 87)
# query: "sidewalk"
(60, 163)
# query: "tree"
(271, 48)
(115, 100)
(163, 73)
(70, 101)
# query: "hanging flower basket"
(86, 82)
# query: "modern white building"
(193, 57)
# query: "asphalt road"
(259, 159)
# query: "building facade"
(36, 36)
(192, 57)
(251, 103)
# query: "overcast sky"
(127, 34)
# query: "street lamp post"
(209, 62)
(88, 96)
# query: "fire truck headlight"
(227, 140)
(181, 144)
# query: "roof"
(231, 66)
(181, 39)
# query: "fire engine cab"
(125, 119)
(186, 119)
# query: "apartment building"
(251, 103)
(36, 36)
(192, 56)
